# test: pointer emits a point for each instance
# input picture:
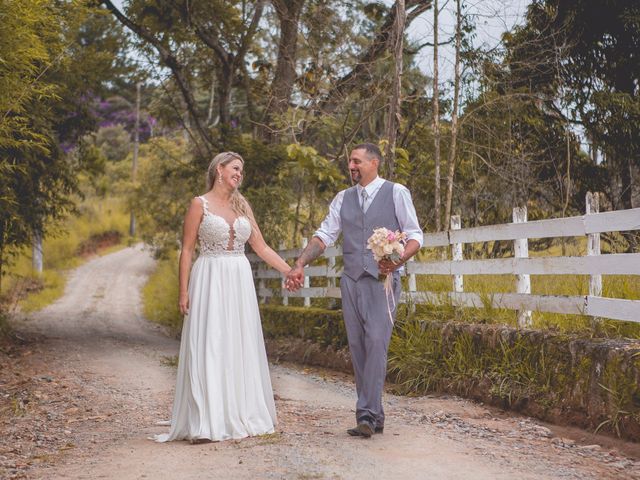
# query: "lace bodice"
(217, 237)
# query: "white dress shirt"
(331, 226)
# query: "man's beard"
(356, 175)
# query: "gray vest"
(357, 227)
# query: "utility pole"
(134, 166)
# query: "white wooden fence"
(592, 224)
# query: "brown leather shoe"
(379, 430)
(363, 429)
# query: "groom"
(373, 202)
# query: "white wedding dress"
(223, 388)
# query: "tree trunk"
(224, 94)
(297, 218)
(626, 197)
(169, 60)
(1, 266)
(454, 117)
(288, 12)
(436, 117)
(36, 252)
(626, 182)
(251, 109)
(212, 96)
(396, 100)
(567, 188)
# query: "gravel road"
(95, 378)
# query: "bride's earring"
(220, 179)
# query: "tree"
(114, 142)
(169, 176)
(374, 49)
(597, 74)
(29, 49)
(29, 46)
(288, 12)
(312, 178)
(179, 32)
(39, 114)
(193, 39)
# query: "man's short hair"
(371, 149)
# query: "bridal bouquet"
(387, 245)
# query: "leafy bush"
(324, 327)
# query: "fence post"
(261, 285)
(523, 282)
(456, 252)
(331, 268)
(413, 287)
(307, 300)
(593, 248)
(285, 299)
(331, 281)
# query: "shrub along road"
(87, 381)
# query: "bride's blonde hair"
(237, 202)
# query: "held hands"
(294, 279)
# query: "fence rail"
(521, 266)
(618, 221)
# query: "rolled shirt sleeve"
(331, 226)
(406, 214)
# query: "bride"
(223, 389)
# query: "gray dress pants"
(366, 317)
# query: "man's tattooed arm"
(314, 250)
(295, 277)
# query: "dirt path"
(93, 380)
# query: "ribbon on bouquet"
(388, 290)
(387, 245)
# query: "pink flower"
(391, 236)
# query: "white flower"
(382, 247)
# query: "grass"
(97, 218)
(547, 374)
(53, 283)
(160, 295)
(613, 286)
(169, 361)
